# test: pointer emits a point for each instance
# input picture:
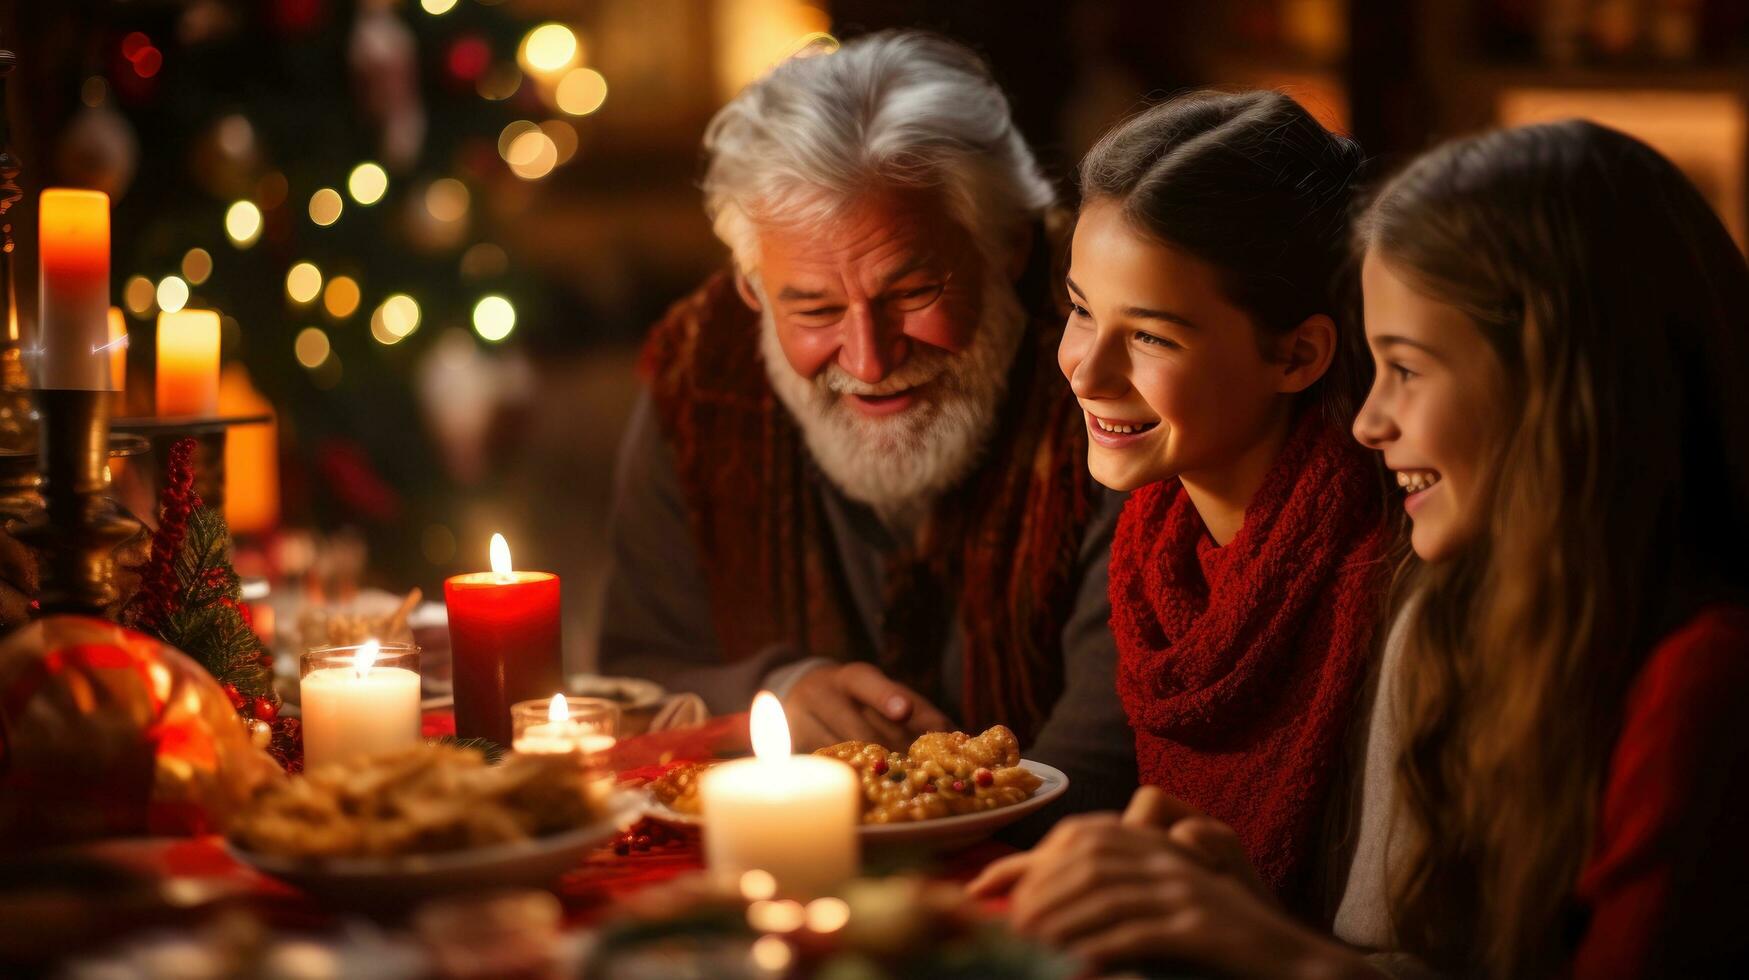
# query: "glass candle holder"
(559, 724)
(358, 700)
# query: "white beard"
(899, 464)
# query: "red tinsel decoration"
(155, 601)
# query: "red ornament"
(469, 57)
(265, 709)
(236, 697)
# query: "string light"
(303, 282)
(494, 318)
(172, 294)
(197, 265)
(341, 297)
(367, 183)
(548, 48)
(243, 223)
(325, 206)
(312, 347)
(581, 91)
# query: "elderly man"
(856, 477)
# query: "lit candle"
(792, 816)
(118, 353)
(73, 321)
(188, 363)
(359, 701)
(561, 732)
(504, 643)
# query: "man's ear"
(1019, 249)
(748, 296)
(1307, 352)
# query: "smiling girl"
(1218, 373)
(1556, 775)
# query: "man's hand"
(845, 702)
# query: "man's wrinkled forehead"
(876, 240)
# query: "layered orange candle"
(188, 363)
(504, 643)
(73, 331)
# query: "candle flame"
(559, 709)
(500, 555)
(367, 655)
(768, 727)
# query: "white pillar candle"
(793, 816)
(73, 317)
(358, 708)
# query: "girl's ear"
(1308, 350)
(745, 288)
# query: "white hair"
(893, 110)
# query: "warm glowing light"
(325, 206)
(400, 315)
(781, 915)
(754, 35)
(500, 83)
(581, 91)
(447, 199)
(827, 914)
(564, 138)
(94, 91)
(509, 133)
(243, 223)
(197, 265)
(139, 294)
(771, 954)
(366, 658)
(172, 294)
(312, 347)
(758, 885)
(494, 318)
(500, 553)
(548, 48)
(558, 709)
(768, 727)
(341, 297)
(437, 8)
(303, 282)
(367, 183)
(532, 155)
(483, 261)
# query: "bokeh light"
(484, 261)
(94, 91)
(312, 347)
(771, 954)
(447, 199)
(500, 83)
(325, 206)
(509, 133)
(395, 319)
(564, 137)
(367, 183)
(548, 48)
(581, 91)
(303, 282)
(197, 265)
(532, 155)
(494, 318)
(172, 294)
(437, 8)
(243, 223)
(828, 914)
(341, 297)
(139, 295)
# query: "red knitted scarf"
(1000, 548)
(1239, 665)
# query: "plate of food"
(436, 818)
(945, 790)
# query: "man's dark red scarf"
(1000, 549)
(1239, 665)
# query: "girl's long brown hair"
(1619, 502)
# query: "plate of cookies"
(944, 790)
(431, 819)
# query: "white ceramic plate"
(940, 833)
(377, 881)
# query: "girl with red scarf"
(1218, 374)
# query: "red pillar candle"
(504, 642)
